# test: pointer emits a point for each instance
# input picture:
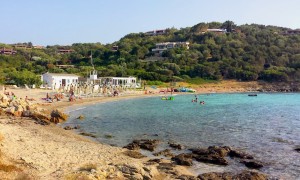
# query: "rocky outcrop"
(58, 116)
(184, 159)
(175, 146)
(253, 164)
(245, 175)
(166, 152)
(146, 144)
(216, 176)
(134, 154)
(137, 172)
(239, 154)
(21, 108)
(213, 154)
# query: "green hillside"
(246, 53)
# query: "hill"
(211, 51)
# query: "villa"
(156, 32)
(161, 47)
(218, 31)
(7, 51)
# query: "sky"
(64, 22)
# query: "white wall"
(56, 81)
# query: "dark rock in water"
(211, 158)
(253, 164)
(146, 144)
(176, 146)
(245, 175)
(297, 148)
(239, 154)
(132, 146)
(184, 159)
(250, 175)
(81, 117)
(186, 177)
(199, 151)
(221, 151)
(166, 152)
(88, 134)
(77, 127)
(213, 154)
(212, 150)
(108, 136)
(134, 154)
(68, 128)
(216, 176)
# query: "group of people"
(196, 100)
(10, 95)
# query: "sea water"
(266, 126)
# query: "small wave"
(76, 109)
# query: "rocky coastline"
(116, 163)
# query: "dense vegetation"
(246, 52)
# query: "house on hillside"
(65, 51)
(156, 32)
(56, 80)
(292, 32)
(7, 51)
(161, 47)
(218, 31)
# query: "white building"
(55, 80)
(129, 82)
(160, 47)
(156, 32)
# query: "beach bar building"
(55, 80)
(129, 82)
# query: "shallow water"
(267, 126)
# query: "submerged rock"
(81, 117)
(68, 128)
(88, 134)
(175, 146)
(166, 152)
(253, 164)
(239, 154)
(297, 148)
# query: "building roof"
(61, 74)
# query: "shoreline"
(47, 152)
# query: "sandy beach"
(33, 151)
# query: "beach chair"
(26, 87)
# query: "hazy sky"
(49, 22)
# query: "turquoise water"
(267, 126)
